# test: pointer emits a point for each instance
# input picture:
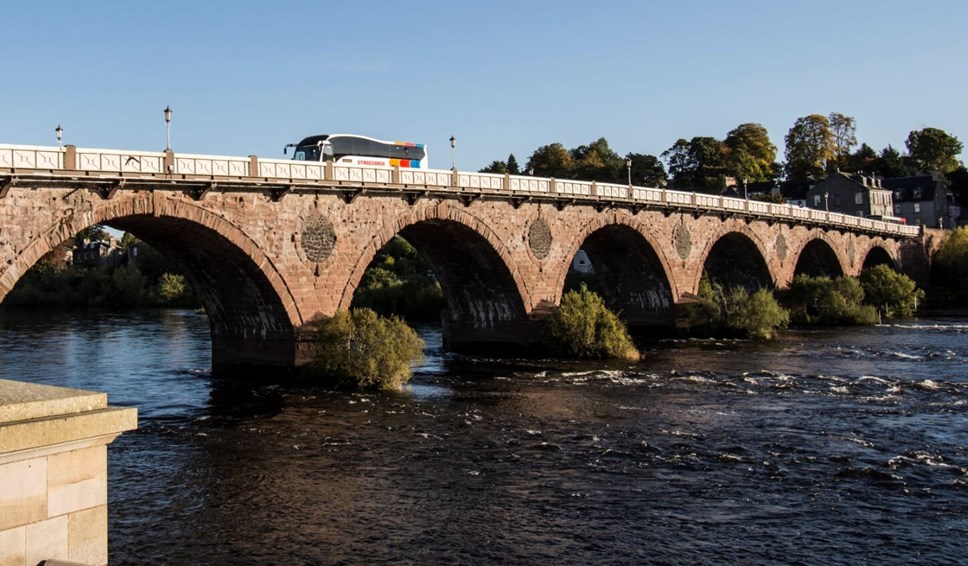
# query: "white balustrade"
(211, 165)
(114, 161)
(488, 181)
(568, 187)
(31, 157)
(612, 191)
(425, 177)
(532, 184)
(292, 170)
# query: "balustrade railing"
(51, 160)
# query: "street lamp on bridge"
(59, 131)
(826, 201)
(167, 128)
(628, 163)
(453, 153)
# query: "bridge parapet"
(106, 166)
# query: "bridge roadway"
(271, 245)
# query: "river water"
(838, 446)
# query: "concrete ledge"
(53, 472)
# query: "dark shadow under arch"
(735, 261)
(631, 277)
(879, 256)
(818, 259)
(484, 305)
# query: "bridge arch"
(736, 257)
(818, 258)
(484, 295)
(250, 309)
(877, 255)
(631, 269)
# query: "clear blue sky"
(504, 77)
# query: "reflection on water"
(838, 446)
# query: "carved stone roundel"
(683, 241)
(781, 247)
(539, 239)
(318, 238)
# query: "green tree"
(893, 294)
(890, 163)
(583, 327)
(810, 146)
(932, 149)
(864, 159)
(92, 233)
(750, 153)
(597, 162)
(552, 161)
(512, 164)
(698, 164)
(495, 167)
(647, 170)
(958, 183)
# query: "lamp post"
(59, 131)
(453, 153)
(826, 201)
(746, 194)
(167, 128)
(628, 164)
(941, 222)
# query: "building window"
(859, 198)
(917, 207)
(897, 209)
(917, 193)
(816, 201)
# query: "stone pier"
(53, 473)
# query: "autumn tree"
(843, 129)
(810, 146)
(932, 149)
(750, 153)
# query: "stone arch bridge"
(272, 245)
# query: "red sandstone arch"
(251, 310)
(632, 269)
(735, 232)
(819, 256)
(878, 255)
(484, 296)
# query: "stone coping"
(33, 416)
(20, 401)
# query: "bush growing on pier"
(583, 327)
(366, 350)
(756, 315)
(893, 294)
(825, 301)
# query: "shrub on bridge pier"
(583, 327)
(363, 349)
(718, 310)
(833, 302)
